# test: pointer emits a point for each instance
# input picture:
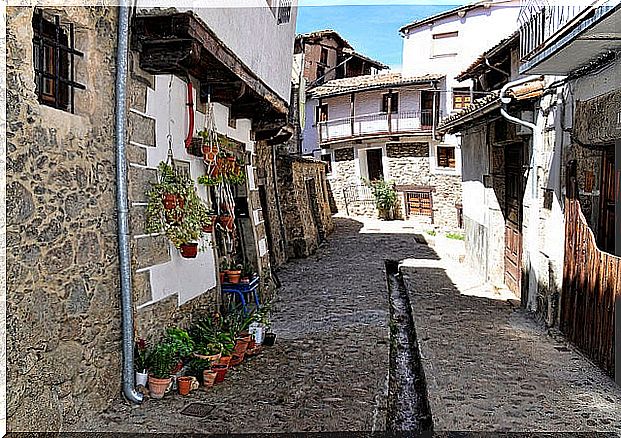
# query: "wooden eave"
(183, 45)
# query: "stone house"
(381, 127)
(538, 156)
(71, 330)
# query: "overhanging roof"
(370, 82)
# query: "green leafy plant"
(455, 236)
(161, 360)
(384, 193)
(188, 215)
(196, 366)
(140, 355)
(431, 232)
(181, 341)
(247, 270)
(210, 180)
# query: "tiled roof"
(475, 106)
(530, 90)
(365, 58)
(359, 83)
(464, 8)
(324, 33)
(471, 71)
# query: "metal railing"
(376, 123)
(357, 193)
(540, 20)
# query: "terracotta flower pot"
(233, 276)
(220, 371)
(241, 346)
(209, 378)
(227, 222)
(222, 274)
(236, 359)
(207, 228)
(251, 344)
(211, 358)
(224, 360)
(184, 384)
(189, 250)
(157, 387)
(172, 200)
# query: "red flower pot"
(222, 277)
(237, 359)
(207, 228)
(189, 250)
(224, 360)
(220, 371)
(226, 221)
(172, 200)
(241, 346)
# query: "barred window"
(461, 98)
(54, 56)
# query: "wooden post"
(389, 110)
(352, 113)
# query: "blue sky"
(372, 29)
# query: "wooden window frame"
(394, 103)
(323, 59)
(327, 158)
(54, 62)
(461, 98)
(445, 161)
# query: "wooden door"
(606, 226)
(374, 164)
(513, 217)
(426, 108)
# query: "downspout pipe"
(127, 310)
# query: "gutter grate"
(200, 410)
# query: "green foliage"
(196, 367)
(455, 236)
(161, 360)
(384, 193)
(180, 340)
(192, 213)
(431, 232)
(210, 180)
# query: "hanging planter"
(189, 250)
(227, 221)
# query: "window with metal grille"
(446, 157)
(54, 56)
(461, 98)
(327, 158)
(394, 102)
(281, 10)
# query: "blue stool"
(241, 289)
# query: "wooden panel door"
(606, 226)
(513, 217)
(375, 167)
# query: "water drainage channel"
(408, 406)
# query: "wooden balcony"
(367, 125)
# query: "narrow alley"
(329, 367)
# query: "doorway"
(375, 168)
(426, 108)
(606, 226)
(513, 217)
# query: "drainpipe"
(532, 240)
(129, 389)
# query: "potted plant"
(161, 361)
(184, 384)
(224, 267)
(385, 198)
(181, 224)
(206, 218)
(140, 362)
(234, 274)
(247, 273)
(181, 342)
(226, 220)
(196, 367)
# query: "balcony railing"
(378, 123)
(541, 20)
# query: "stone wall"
(63, 313)
(304, 201)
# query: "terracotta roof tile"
(359, 83)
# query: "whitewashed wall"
(252, 33)
(186, 277)
(479, 30)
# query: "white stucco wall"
(250, 29)
(186, 277)
(479, 30)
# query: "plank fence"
(591, 279)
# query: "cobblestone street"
(489, 366)
(327, 371)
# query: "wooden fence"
(591, 278)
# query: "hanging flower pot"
(189, 250)
(172, 200)
(226, 221)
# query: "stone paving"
(490, 367)
(327, 371)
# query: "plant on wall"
(175, 208)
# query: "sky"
(372, 29)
